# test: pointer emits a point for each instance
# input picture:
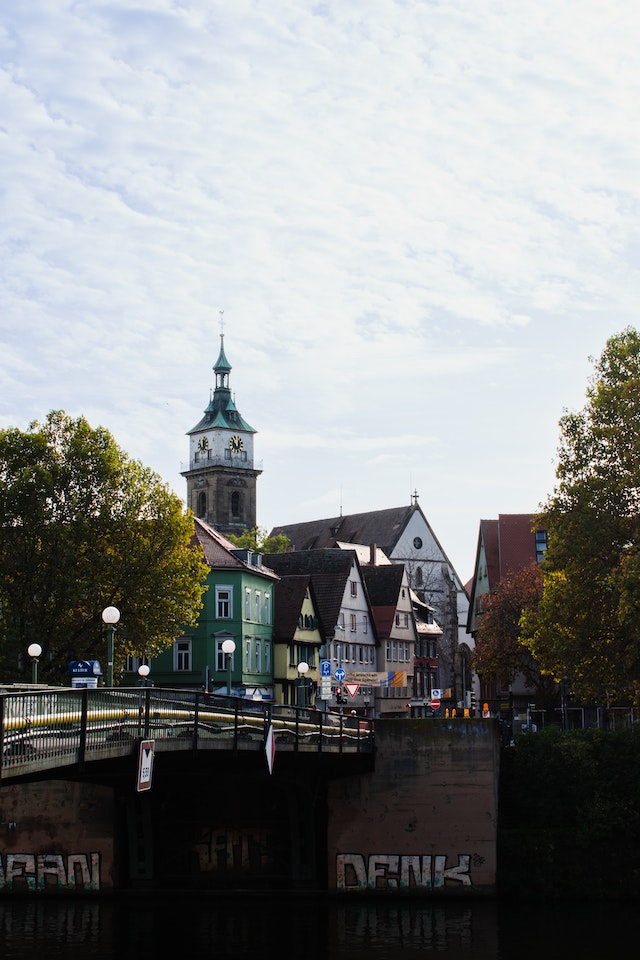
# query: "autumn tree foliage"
(83, 527)
(499, 651)
(587, 625)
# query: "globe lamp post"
(228, 648)
(110, 616)
(34, 650)
(303, 669)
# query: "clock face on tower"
(203, 444)
(236, 444)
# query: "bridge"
(44, 730)
(414, 812)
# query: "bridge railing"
(60, 726)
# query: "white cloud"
(419, 219)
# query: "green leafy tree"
(255, 538)
(83, 527)
(587, 625)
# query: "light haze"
(420, 220)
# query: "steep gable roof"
(329, 570)
(509, 544)
(221, 553)
(382, 527)
(292, 591)
(383, 586)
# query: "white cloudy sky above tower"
(419, 219)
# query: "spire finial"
(221, 312)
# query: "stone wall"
(425, 820)
(56, 837)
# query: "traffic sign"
(325, 668)
(352, 689)
(436, 693)
(435, 704)
(145, 764)
(339, 674)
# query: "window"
(353, 621)
(247, 655)
(354, 588)
(223, 603)
(221, 657)
(388, 651)
(202, 504)
(417, 543)
(365, 624)
(258, 610)
(541, 544)
(267, 608)
(267, 657)
(258, 657)
(182, 654)
(418, 576)
(131, 664)
(235, 504)
(247, 604)
(227, 454)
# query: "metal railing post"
(196, 717)
(235, 726)
(82, 746)
(2, 703)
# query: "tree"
(499, 650)
(587, 625)
(83, 527)
(255, 538)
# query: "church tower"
(221, 479)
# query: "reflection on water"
(293, 927)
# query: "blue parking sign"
(325, 668)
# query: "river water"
(295, 927)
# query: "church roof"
(380, 527)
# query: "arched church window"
(418, 576)
(235, 504)
(202, 504)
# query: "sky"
(417, 220)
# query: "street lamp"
(143, 672)
(34, 650)
(110, 616)
(228, 648)
(303, 669)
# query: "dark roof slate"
(382, 527)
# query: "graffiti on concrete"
(225, 849)
(43, 871)
(395, 872)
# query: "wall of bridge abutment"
(418, 817)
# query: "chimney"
(372, 554)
